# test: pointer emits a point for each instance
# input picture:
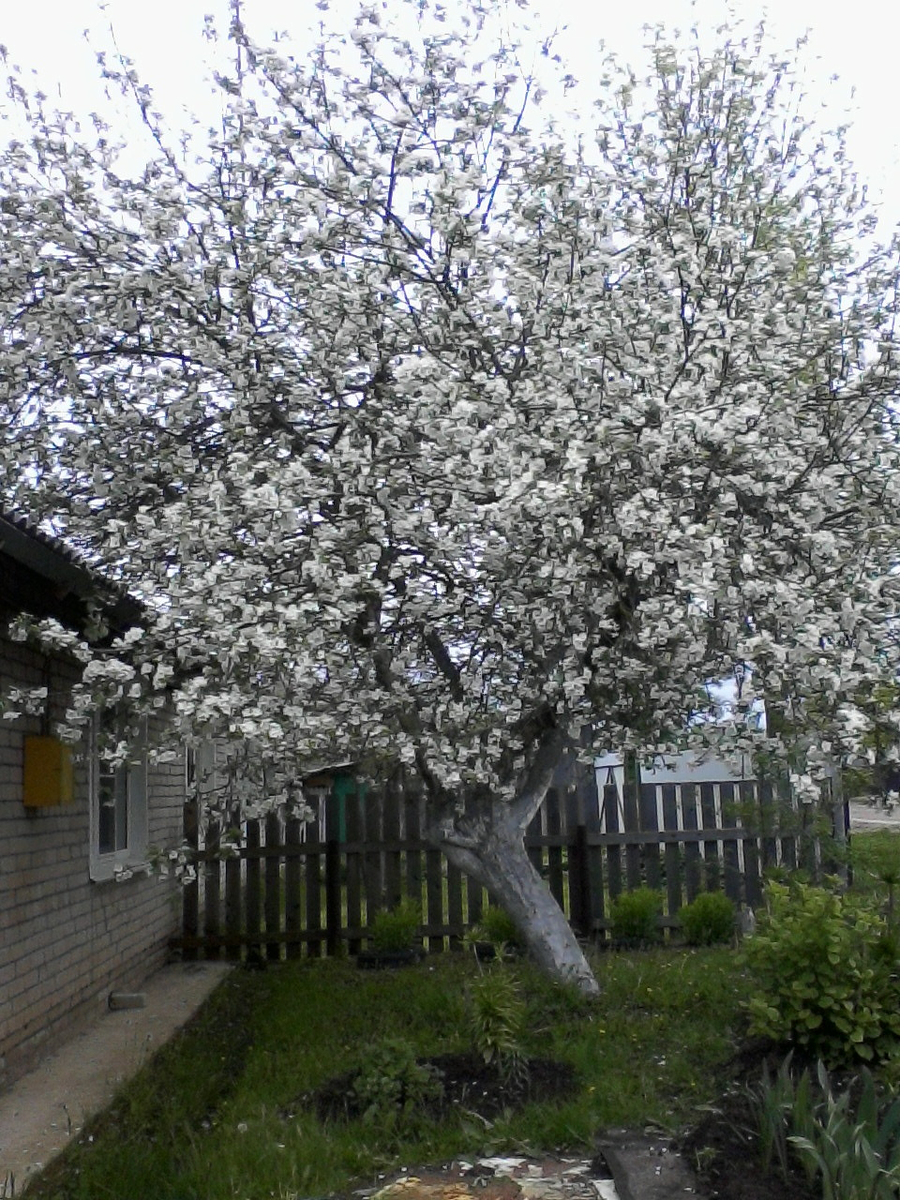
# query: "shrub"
(824, 969)
(391, 1085)
(499, 1021)
(635, 915)
(497, 928)
(708, 919)
(396, 929)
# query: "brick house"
(71, 930)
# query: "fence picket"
(590, 813)
(434, 896)
(293, 882)
(648, 813)
(690, 820)
(632, 824)
(393, 866)
(709, 820)
(555, 878)
(272, 900)
(212, 887)
(614, 853)
(252, 891)
(413, 839)
(313, 864)
(371, 804)
(731, 855)
(234, 887)
(350, 862)
(672, 854)
(752, 880)
(190, 892)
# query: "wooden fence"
(292, 888)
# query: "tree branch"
(539, 775)
(444, 663)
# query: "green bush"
(391, 1086)
(496, 928)
(635, 916)
(499, 1017)
(708, 920)
(824, 972)
(396, 929)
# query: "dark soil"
(724, 1152)
(469, 1085)
(723, 1149)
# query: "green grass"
(215, 1115)
(875, 858)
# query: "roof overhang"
(41, 576)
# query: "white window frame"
(112, 864)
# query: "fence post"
(582, 917)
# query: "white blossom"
(431, 433)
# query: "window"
(118, 806)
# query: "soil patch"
(469, 1085)
(724, 1147)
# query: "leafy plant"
(396, 929)
(499, 1021)
(854, 1148)
(497, 929)
(708, 920)
(782, 1106)
(825, 975)
(635, 915)
(391, 1085)
(849, 1142)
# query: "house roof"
(41, 575)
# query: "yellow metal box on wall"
(48, 773)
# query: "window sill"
(119, 870)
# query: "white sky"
(858, 42)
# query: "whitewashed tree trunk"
(490, 846)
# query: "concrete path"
(869, 816)
(43, 1110)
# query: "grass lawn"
(215, 1115)
(875, 858)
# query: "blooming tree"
(434, 431)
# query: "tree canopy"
(434, 429)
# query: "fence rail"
(293, 889)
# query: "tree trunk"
(490, 847)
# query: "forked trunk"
(491, 848)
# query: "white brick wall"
(66, 942)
